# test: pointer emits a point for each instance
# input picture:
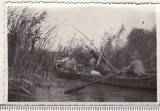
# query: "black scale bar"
(79, 108)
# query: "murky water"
(94, 93)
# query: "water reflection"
(94, 93)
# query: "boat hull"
(148, 82)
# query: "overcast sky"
(94, 21)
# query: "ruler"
(79, 108)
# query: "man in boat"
(99, 63)
(92, 64)
(69, 63)
(136, 66)
(93, 67)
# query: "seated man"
(97, 63)
(92, 64)
(93, 67)
(102, 66)
(136, 66)
(69, 63)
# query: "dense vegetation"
(30, 62)
(26, 57)
(140, 40)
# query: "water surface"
(95, 93)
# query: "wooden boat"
(147, 82)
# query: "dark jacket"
(102, 66)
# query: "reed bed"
(31, 62)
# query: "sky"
(95, 20)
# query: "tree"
(144, 42)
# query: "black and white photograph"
(81, 53)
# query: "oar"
(89, 84)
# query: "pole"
(95, 48)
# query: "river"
(95, 93)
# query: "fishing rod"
(95, 48)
